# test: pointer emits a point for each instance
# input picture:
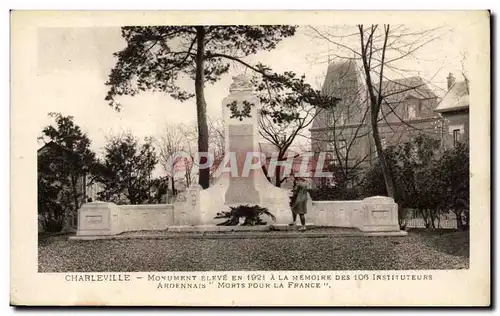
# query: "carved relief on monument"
(193, 194)
(181, 198)
(240, 83)
(94, 219)
(240, 112)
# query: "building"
(344, 132)
(454, 108)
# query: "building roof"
(345, 73)
(457, 98)
(399, 89)
(337, 75)
(48, 146)
(54, 149)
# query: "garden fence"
(415, 220)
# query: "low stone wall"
(100, 218)
(336, 213)
(374, 214)
(146, 217)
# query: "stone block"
(95, 219)
(380, 214)
(182, 209)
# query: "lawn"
(419, 250)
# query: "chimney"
(451, 80)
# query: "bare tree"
(285, 113)
(171, 142)
(282, 136)
(181, 139)
(190, 134)
(377, 50)
(216, 143)
(345, 126)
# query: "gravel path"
(415, 251)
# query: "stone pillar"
(181, 209)
(241, 110)
(195, 213)
(380, 214)
(241, 115)
(187, 209)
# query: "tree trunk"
(130, 190)
(74, 190)
(458, 216)
(466, 222)
(425, 218)
(173, 185)
(375, 100)
(389, 183)
(264, 170)
(432, 216)
(278, 176)
(201, 106)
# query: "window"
(343, 147)
(384, 142)
(337, 118)
(342, 118)
(412, 113)
(456, 137)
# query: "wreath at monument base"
(249, 214)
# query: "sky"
(74, 63)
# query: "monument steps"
(263, 231)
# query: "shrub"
(53, 226)
(251, 214)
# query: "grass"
(419, 250)
(449, 241)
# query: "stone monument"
(246, 183)
(240, 181)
